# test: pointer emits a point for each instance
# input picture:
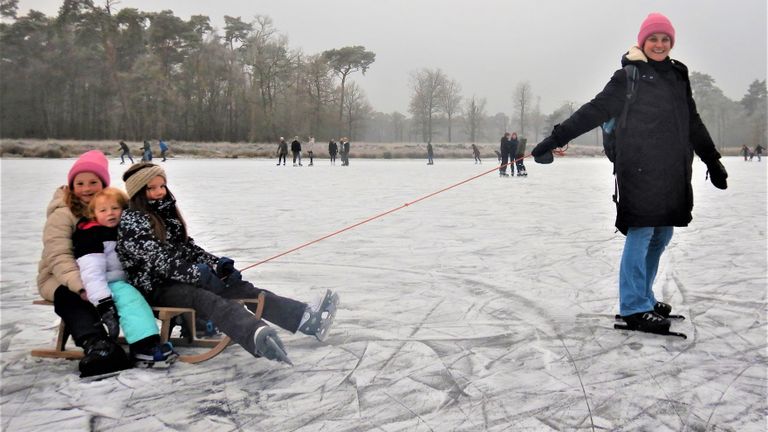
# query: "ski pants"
(228, 315)
(296, 154)
(639, 264)
(136, 317)
(281, 156)
(80, 316)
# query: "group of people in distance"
(109, 253)
(750, 154)
(341, 148)
(146, 151)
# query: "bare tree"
(450, 101)
(427, 85)
(474, 112)
(522, 101)
(356, 107)
(537, 119)
(268, 62)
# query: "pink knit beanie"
(655, 23)
(92, 161)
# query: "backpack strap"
(631, 91)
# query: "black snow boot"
(662, 309)
(102, 356)
(649, 322)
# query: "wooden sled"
(166, 316)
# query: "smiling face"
(657, 46)
(107, 211)
(85, 185)
(156, 189)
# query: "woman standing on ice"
(654, 157)
(59, 279)
(162, 261)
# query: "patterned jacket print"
(149, 262)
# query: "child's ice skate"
(317, 319)
(160, 356)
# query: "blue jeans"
(639, 264)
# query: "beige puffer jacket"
(57, 264)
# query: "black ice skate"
(648, 322)
(102, 356)
(318, 320)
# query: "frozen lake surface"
(486, 307)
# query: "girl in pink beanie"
(94, 162)
(59, 279)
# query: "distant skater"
(282, 151)
(163, 149)
(476, 154)
(127, 152)
(147, 152)
(521, 171)
(296, 150)
(311, 150)
(504, 151)
(345, 151)
(430, 154)
(333, 150)
(758, 151)
(745, 151)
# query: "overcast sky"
(566, 50)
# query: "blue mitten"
(208, 279)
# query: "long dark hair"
(140, 202)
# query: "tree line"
(94, 72)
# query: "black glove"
(225, 268)
(208, 279)
(108, 313)
(267, 344)
(717, 174)
(542, 153)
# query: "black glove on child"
(225, 268)
(717, 174)
(108, 313)
(208, 279)
(542, 153)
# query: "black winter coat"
(654, 151)
(149, 262)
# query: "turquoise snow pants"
(136, 317)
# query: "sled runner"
(166, 316)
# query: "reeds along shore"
(27, 148)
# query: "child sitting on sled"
(163, 262)
(94, 242)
